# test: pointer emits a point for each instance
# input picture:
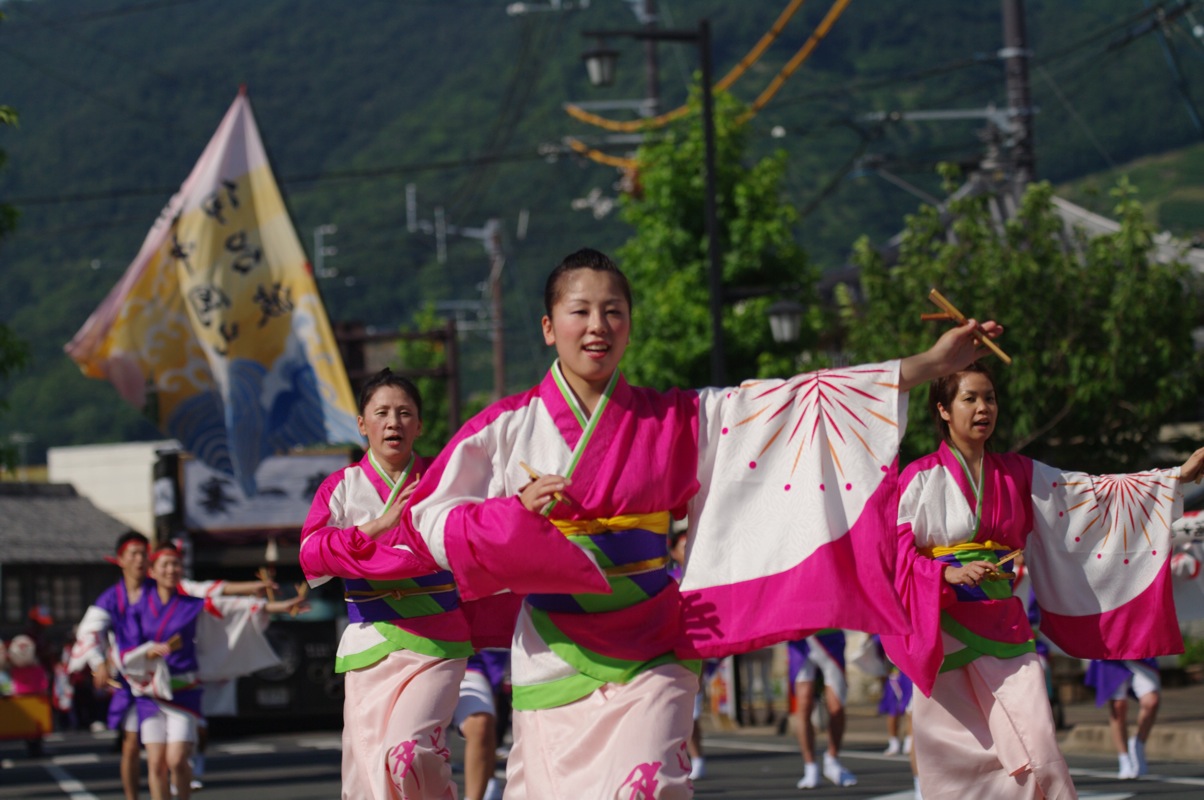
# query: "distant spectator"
(28, 678)
(1115, 682)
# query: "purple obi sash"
(634, 560)
(997, 587)
(384, 601)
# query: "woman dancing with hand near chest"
(982, 721)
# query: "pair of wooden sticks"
(1015, 553)
(560, 498)
(997, 574)
(950, 312)
(266, 578)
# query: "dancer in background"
(1114, 682)
(477, 718)
(107, 629)
(183, 641)
(821, 654)
(895, 703)
(983, 724)
(603, 681)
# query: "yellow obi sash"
(656, 522)
(977, 551)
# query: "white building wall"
(117, 478)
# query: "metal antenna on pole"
(322, 250)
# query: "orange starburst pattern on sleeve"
(824, 408)
(1121, 506)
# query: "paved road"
(305, 766)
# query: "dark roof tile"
(50, 523)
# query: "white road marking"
(765, 747)
(70, 786)
(1111, 773)
(81, 758)
(322, 743)
(246, 748)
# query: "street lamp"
(785, 320)
(600, 65)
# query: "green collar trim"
(588, 422)
(395, 488)
(977, 487)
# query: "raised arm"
(956, 349)
(1193, 467)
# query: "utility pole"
(497, 260)
(1015, 55)
(651, 64)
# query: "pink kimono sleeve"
(920, 583)
(499, 545)
(329, 551)
(492, 543)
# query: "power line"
(338, 175)
(1074, 114)
(533, 55)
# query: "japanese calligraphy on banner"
(217, 330)
(214, 504)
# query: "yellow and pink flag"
(216, 330)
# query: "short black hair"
(387, 377)
(130, 536)
(585, 258)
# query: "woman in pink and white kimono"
(1096, 548)
(564, 494)
(404, 652)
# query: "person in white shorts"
(821, 653)
(476, 718)
(1114, 682)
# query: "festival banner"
(216, 330)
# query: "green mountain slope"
(356, 100)
(1171, 184)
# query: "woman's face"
(972, 413)
(167, 570)
(590, 325)
(391, 424)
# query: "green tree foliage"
(667, 259)
(1099, 330)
